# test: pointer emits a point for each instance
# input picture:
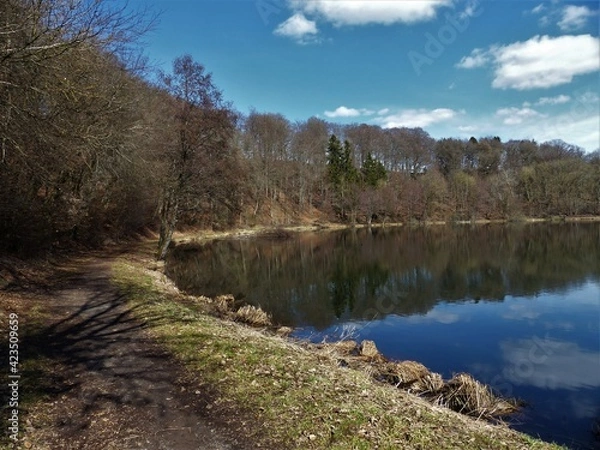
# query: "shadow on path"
(112, 387)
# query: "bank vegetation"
(96, 146)
(302, 396)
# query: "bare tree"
(267, 145)
(308, 151)
(409, 150)
(66, 107)
(366, 139)
(201, 126)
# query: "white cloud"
(574, 17)
(540, 62)
(568, 17)
(343, 111)
(579, 130)
(516, 116)
(547, 14)
(588, 98)
(548, 364)
(558, 100)
(362, 12)
(383, 112)
(435, 315)
(543, 62)
(521, 311)
(478, 58)
(413, 118)
(577, 125)
(299, 28)
(538, 9)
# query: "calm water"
(518, 306)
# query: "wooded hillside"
(95, 146)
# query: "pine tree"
(334, 161)
(340, 167)
(373, 171)
(342, 174)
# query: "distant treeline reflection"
(315, 279)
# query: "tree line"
(95, 146)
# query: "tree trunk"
(168, 219)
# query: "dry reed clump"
(413, 377)
(224, 303)
(369, 350)
(225, 307)
(283, 331)
(466, 395)
(429, 384)
(253, 316)
(462, 393)
(346, 348)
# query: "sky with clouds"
(457, 68)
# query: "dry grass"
(414, 377)
(299, 397)
(223, 303)
(462, 393)
(253, 316)
(224, 306)
(468, 396)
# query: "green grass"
(296, 398)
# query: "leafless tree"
(267, 139)
(308, 149)
(200, 126)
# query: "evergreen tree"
(340, 167)
(342, 175)
(373, 171)
(334, 158)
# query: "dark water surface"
(517, 306)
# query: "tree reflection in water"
(318, 279)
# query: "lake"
(517, 306)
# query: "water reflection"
(324, 278)
(517, 306)
(550, 364)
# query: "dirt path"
(112, 387)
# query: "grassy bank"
(292, 397)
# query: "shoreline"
(350, 354)
(264, 359)
(274, 392)
(205, 235)
(379, 368)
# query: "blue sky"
(457, 68)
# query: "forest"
(96, 146)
